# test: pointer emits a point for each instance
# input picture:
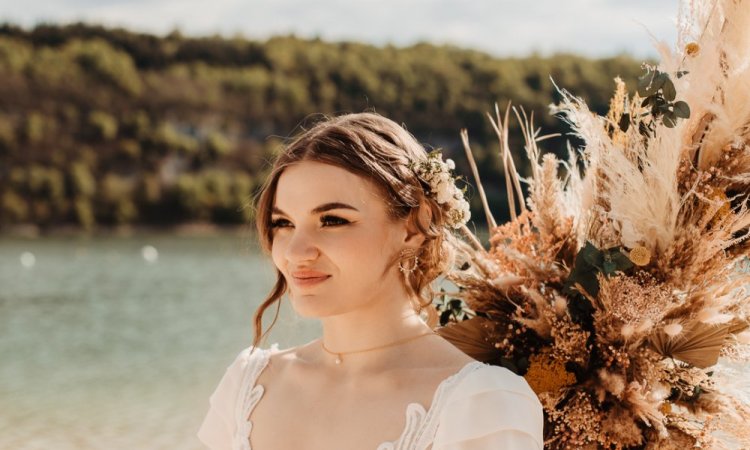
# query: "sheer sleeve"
(217, 429)
(492, 408)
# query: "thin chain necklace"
(338, 354)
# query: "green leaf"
(660, 101)
(682, 73)
(662, 109)
(609, 267)
(644, 81)
(656, 84)
(659, 79)
(587, 265)
(669, 120)
(590, 254)
(669, 91)
(621, 260)
(681, 110)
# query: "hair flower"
(437, 174)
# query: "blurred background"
(133, 134)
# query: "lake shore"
(33, 231)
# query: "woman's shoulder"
(494, 404)
(244, 368)
(488, 378)
(221, 420)
(247, 357)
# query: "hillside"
(106, 126)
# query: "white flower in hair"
(437, 174)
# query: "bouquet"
(620, 291)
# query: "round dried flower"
(640, 255)
(692, 48)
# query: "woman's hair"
(379, 150)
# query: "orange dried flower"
(547, 374)
(692, 49)
(640, 256)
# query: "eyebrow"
(320, 209)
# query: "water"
(102, 349)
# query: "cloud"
(501, 27)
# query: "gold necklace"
(338, 354)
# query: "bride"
(357, 218)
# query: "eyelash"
(339, 221)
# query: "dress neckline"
(411, 408)
(427, 413)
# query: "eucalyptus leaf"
(621, 260)
(590, 254)
(681, 110)
(669, 91)
(669, 120)
(644, 81)
(659, 79)
(659, 101)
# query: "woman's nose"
(301, 247)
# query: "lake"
(117, 342)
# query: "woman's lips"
(309, 281)
(308, 277)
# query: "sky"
(500, 27)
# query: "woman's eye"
(333, 220)
(278, 223)
(330, 221)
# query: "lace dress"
(482, 407)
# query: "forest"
(106, 127)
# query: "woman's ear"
(416, 222)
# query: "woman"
(357, 218)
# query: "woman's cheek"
(278, 246)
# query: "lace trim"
(418, 432)
(421, 425)
(250, 395)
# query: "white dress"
(484, 407)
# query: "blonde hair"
(379, 150)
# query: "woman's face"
(332, 225)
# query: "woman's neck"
(353, 334)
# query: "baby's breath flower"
(437, 173)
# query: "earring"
(405, 255)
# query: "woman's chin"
(310, 306)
